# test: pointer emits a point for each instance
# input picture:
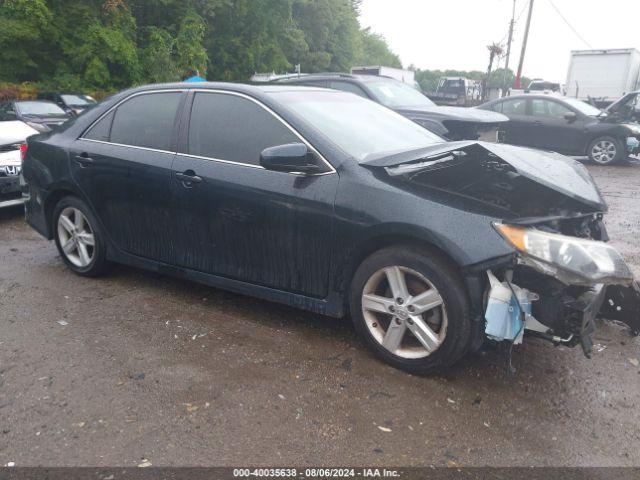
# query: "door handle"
(537, 123)
(188, 178)
(84, 160)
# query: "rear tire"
(606, 151)
(421, 330)
(78, 237)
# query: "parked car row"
(555, 123)
(13, 135)
(20, 119)
(327, 201)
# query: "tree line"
(113, 44)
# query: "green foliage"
(113, 44)
(375, 51)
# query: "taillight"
(23, 150)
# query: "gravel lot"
(148, 367)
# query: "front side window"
(361, 128)
(146, 120)
(233, 128)
(548, 109)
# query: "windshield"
(77, 100)
(399, 95)
(583, 107)
(358, 126)
(39, 108)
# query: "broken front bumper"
(541, 305)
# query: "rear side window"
(101, 131)
(228, 127)
(146, 120)
(513, 107)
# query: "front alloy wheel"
(404, 312)
(409, 305)
(605, 151)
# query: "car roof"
(333, 76)
(254, 90)
(532, 95)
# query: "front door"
(551, 130)
(123, 166)
(238, 220)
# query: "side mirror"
(571, 116)
(291, 158)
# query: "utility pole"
(506, 62)
(524, 45)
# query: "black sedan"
(567, 126)
(452, 123)
(40, 115)
(332, 203)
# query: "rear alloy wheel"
(78, 238)
(410, 307)
(605, 151)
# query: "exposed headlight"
(40, 127)
(575, 260)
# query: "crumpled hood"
(522, 180)
(459, 114)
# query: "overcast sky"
(442, 34)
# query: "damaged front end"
(562, 275)
(571, 281)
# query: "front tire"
(410, 307)
(606, 151)
(79, 238)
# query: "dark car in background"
(566, 125)
(72, 103)
(452, 123)
(38, 114)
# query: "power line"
(569, 25)
(524, 8)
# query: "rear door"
(123, 166)
(238, 220)
(518, 129)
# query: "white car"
(12, 135)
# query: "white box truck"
(603, 76)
